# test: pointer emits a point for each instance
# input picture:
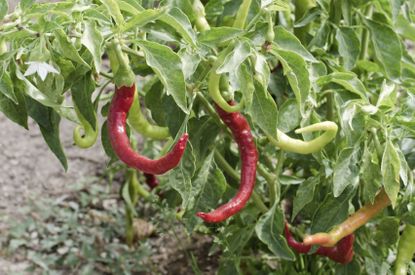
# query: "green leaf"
(48, 121)
(179, 21)
(81, 93)
(125, 193)
(180, 179)
(269, 228)
(6, 87)
(219, 35)
(289, 116)
(387, 231)
(387, 47)
(349, 81)
(304, 195)
(289, 42)
(295, 69)
(4, 7)
(114, 11)
(346, 172)
(235, 58)
(168, 67)
(245, 83)
(143, 18)
(92, 39)
(15, 111)
(332, 211)
(264, 111)
(207, 188)
(390, 168)
(370, 175)
(66, 48)
(405, 28)
(349, 46)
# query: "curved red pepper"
(297, 246)
(241, 132)
(117, 116)
(341, 253)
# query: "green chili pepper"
(141, 125)
(89, 137)
(200, 16)
(214, 86)
(289, 144)
(406, 250)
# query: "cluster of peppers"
(336, 245)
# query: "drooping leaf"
(48, 121)
(219, 35)
(82, 96)
(346, 172)
(295, 69)
(390, 168)
(289, 42)
(264, 111)
(349, 46)
(66, 48)
(304, 195)
(168, 67)
(92, 39)
(332, 211)
(387, 47)
(269, 229)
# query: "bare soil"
(29, 171)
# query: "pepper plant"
(284, 112)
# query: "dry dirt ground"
(29, 170)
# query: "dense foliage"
(289, 64)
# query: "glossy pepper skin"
(341, 253)
(241, 132)
(117, 116)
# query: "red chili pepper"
(341, 253)
(297, 246)
(117, 116)
(151, 180)
(241, 132)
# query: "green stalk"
(365, 35)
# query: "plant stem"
(365, 35)
(330, 106)
(133, 52)
(278, 171)
(106, 75)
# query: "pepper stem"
(123, 74)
